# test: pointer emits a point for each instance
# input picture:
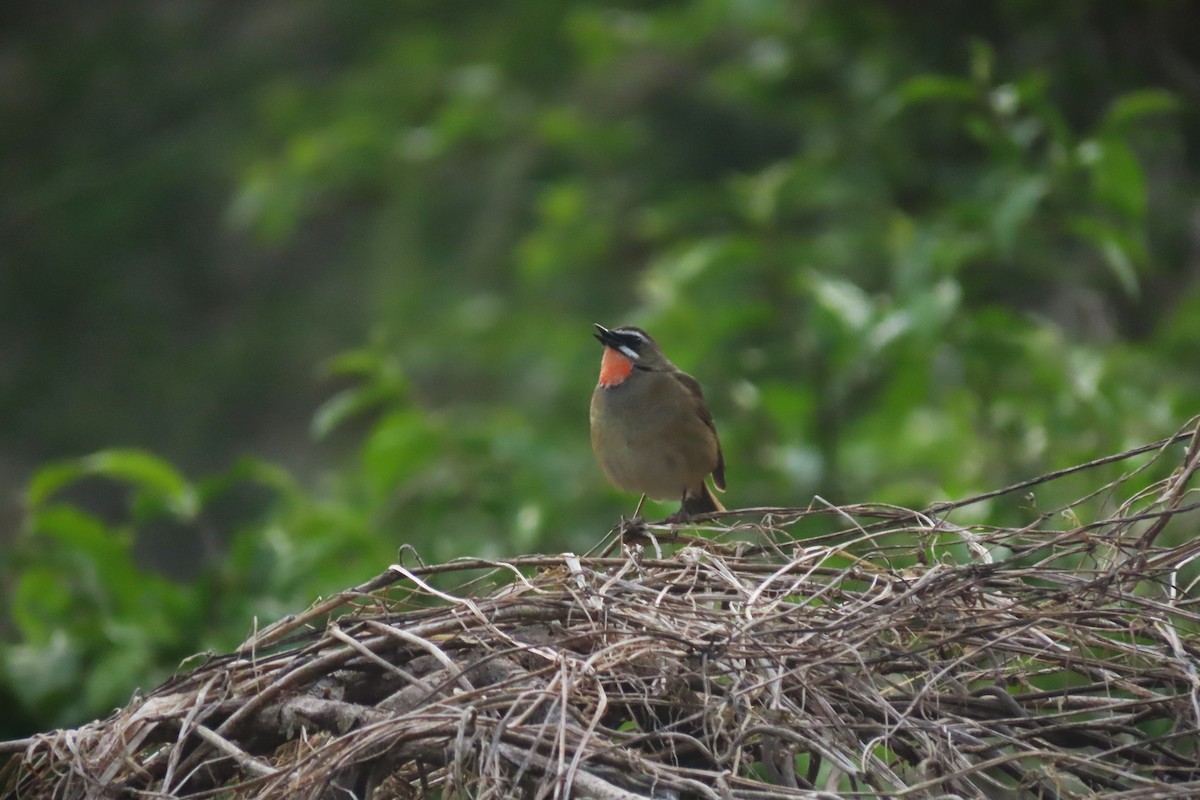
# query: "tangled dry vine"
(824, 652)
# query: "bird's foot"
(633, 529)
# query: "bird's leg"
(632, 531)
(679, 516)
(634, 527)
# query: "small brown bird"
(651, 431)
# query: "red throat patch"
(615, 367)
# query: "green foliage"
(94, 623)
(910, 257)
(88, 618)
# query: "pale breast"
(649, 447)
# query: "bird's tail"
(700, 501)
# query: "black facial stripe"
(631, 339)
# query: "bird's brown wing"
(693, 388)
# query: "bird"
(651, 430)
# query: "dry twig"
(895, 654)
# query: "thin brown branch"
(897, 655)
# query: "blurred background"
(286, 285)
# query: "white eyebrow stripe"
(629, 352)
(630, 332)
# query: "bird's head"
(625, 349)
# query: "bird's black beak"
(605, 336)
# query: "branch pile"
(825, 652)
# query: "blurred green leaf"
(346, 405)
(760, 192)
(46, 671)
(134, 653)
(144, 471)
(39, 605)
(1118, 178)
(1120, 253)
(381, 382)
(665, 280)
(50, 479)
(926, 88)
(361, 362)
(1018, 206)
(843, 301)
(249, 470)
(83, 536)
(1134, 106)
(982, 61)
(400, 446)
